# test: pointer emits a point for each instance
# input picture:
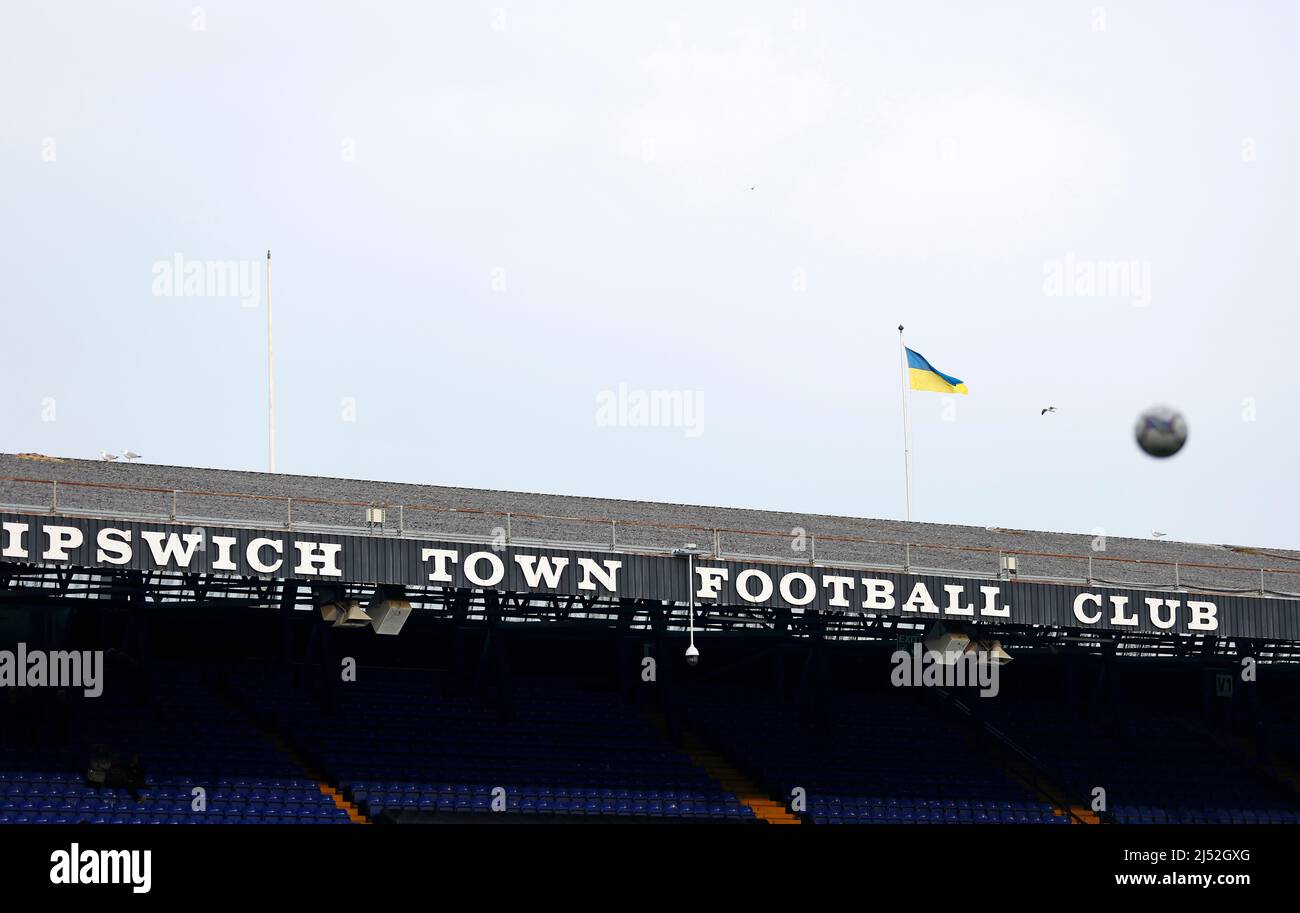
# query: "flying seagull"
(1047, 410)
(127, 454)
(106, 456)
(1157, 534)
(754, 187)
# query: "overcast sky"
(486, 216)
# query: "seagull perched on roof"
(1047, 409)
(106, 456)
(127, 454)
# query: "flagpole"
(270, 375)
(907, 445)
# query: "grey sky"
(484, 215)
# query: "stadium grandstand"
(242, 647)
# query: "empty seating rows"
(1154, 767)
(185, 738)
(1147, 814)
(559, 801)
(65, 799)
(402, 742)
(877, 810)
(863, 758)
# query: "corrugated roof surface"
(429, 509)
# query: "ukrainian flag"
(925, 377)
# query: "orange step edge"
(354, 815)
(277, 739)
(720, 771)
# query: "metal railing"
(626, 535)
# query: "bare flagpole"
(270, 373)
(907, 421)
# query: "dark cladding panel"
(385, 558)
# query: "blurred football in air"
(1161, 431)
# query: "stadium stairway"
(1267, 764)
(722, 772)
(727, 776)
(1034, 780)
(410, 745)
(1157, 767)
(1285, 773)
(862, 758)
(1015, 762)
(233, 701)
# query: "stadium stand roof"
(257, 498)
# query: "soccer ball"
(1161, 431)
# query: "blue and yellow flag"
(925, 377)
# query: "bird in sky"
(1047, 409)
(754, 187)
(1157, 534)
